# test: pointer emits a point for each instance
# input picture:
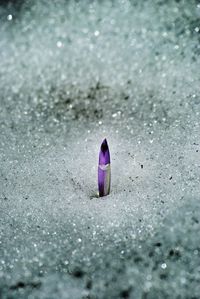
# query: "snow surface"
(73, 73)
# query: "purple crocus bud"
(104, 173)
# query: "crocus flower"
(104, 173)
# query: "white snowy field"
(71, 74)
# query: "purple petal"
(104, 155)
(104, 173)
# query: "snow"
(71, 75)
